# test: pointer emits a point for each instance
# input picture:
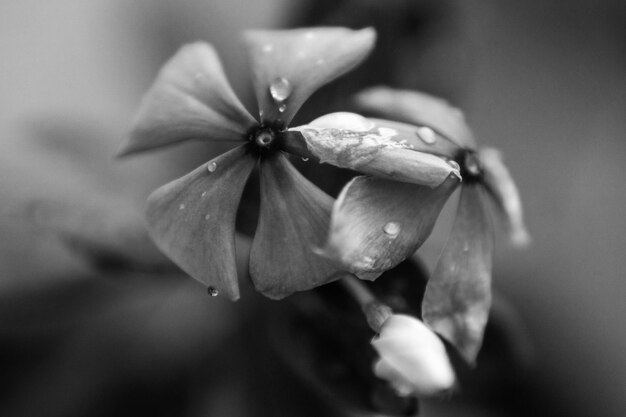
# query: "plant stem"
(376, 313)
(359, 292)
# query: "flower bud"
(412, 358)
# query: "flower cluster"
(411, 162)
(192, 219)
(458, 295)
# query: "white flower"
(412, 358)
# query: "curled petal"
(293, 221)
(412, 358)
(190, 99)
(500, 184)
(288, 66)
(458, 294)
(377, 223)
(375, 151)
(419, 109)
(192, 219)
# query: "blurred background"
(90, 325)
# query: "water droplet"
(282, 108)
(301, 55)
(320, 62)
(212, 166)
(304, 159)
(280, 89)
(426, 134)
(309, 36)
(392, 229)
(203, 194)
(181, 207)
(465, 246)
(213, 292)
(268, 48)
(207, 217)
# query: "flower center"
(263, 138)
(471, 167)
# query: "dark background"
(544, 81)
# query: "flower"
(412, 358)
(381, 219)
(458, 295)
(192, 219)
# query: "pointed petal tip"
(272, 294)
(520, 238)
(504, 192)
(368, 35)
(233, 295)
(125, 149)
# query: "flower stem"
(376, 313)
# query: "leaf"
(293, 222)
(192, 219)
(419, 109)
(377, 223)
(458, 294)
(290, 65)
(190, 99)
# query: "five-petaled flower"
(193, 218)
(458, 295)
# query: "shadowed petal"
(419, 109)
(190, 99)
(293, 221)
(377, 223)
(192, 219)
(288, 66)
(458, 295)
(370, 149)
(499, 182)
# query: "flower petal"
(192, 219)
(293, 221)
(499, 182)
(375, 152)
(288, 66)
(377, 223)
(458, 294)
(190, 99)
(420, 109)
